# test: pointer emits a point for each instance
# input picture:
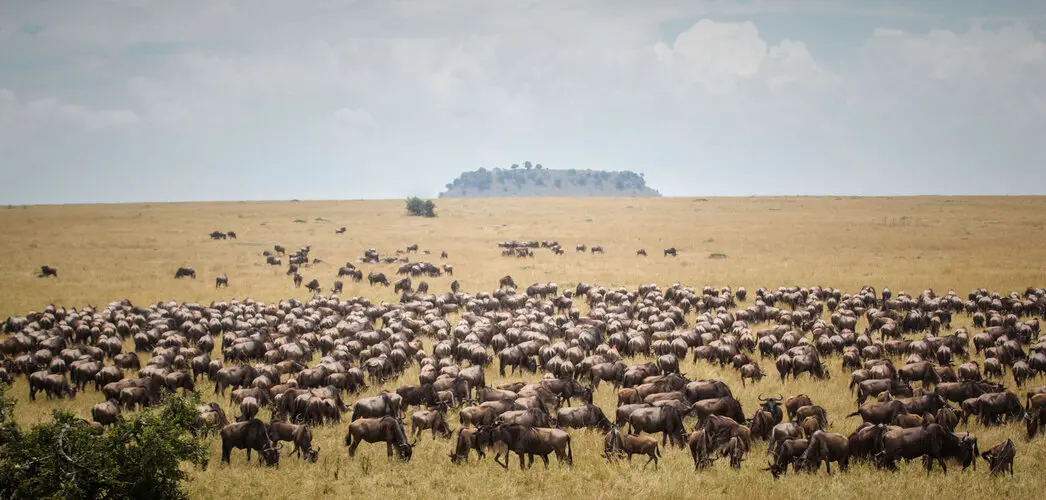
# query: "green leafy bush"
(136, 458)
(420, 208)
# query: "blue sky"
(143, 100)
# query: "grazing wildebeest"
(631, 444)
(249, 435)
(337, 287)
(340, 230)
(1000, 457)
(827, 447)
(378, 278)
(642, 252)
(221, 280)
(232, 235)
(526, 440)
(46, 271)
(596, 249)
(670, 251)
(927, 441)
(432, 419)
(300, 435)
(185, 271)
(313, 286)
(388, 430)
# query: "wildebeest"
(1000, 457)
(221, 280)
(46, 271)
(376, 430)
(249, 435)
(927, 441)
(185, 271)
(827, 447)
(670, 251)
(588, 416)
(313, 286)
(106, 413)
(631, 444)
(641, 252)
(377, 278)
(299, 435)
(664, 419)
(432, 419)
(526, 440)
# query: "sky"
(151, 100)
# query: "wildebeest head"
(772, 405)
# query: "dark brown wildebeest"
(412, 248)
(337, 287)
(827, 447)
(179, 380)
(670, 251)
(507, 281)
(477, 416)
(751, 371)
(1000, 457)
(297, 280)
(313, 286)
(232, 235)
(106, 413)
(211, 416)
(469, 439)
(403, 285)
(221, 280)
(248, 409)
(874, 387)
(417, 395)
(706, 389)
(384, 404)
(46, 271)
(589, 416)
(185, 271)
(789, 452)
(726, 407)
(664, 419)
(641, 252)
(597, 249)
(928, 441)
(880, 413)
(388, 430)
(434, 419)
(793, 404)
(922, 372)
(530, 441)
(340, 230)
(300, 435)
(629, 444)
(990, 407)
(1021, 372)
(377, 278)
(865, 441)
(279, 249)
(249, 435)
(218, 235)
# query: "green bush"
(420, 208)
(136, 458)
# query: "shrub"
(420, 208)
(136, 458)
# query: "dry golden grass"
(107, 253)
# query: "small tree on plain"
(420, 208)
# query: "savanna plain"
(106, 253)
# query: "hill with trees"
(530, 180)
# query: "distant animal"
(596, 249)
(46, 271)
(643, 253)
(340, 230)
(232, 235)
(670, 251)
(185, 271)
(221, 280)
(297, 280)
(337, 287)
(313, 286)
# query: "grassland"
(107, 253)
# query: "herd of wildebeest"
(915, 384)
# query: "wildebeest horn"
(779, 396)
(760, 397)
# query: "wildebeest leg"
(828, 467)
(226, 453)
(940, 460)
(497, 458)
(544, 458)
(352, 448)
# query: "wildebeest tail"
(570, 452)
(854, 414)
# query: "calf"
(631, 444)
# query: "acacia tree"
(420, 208)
